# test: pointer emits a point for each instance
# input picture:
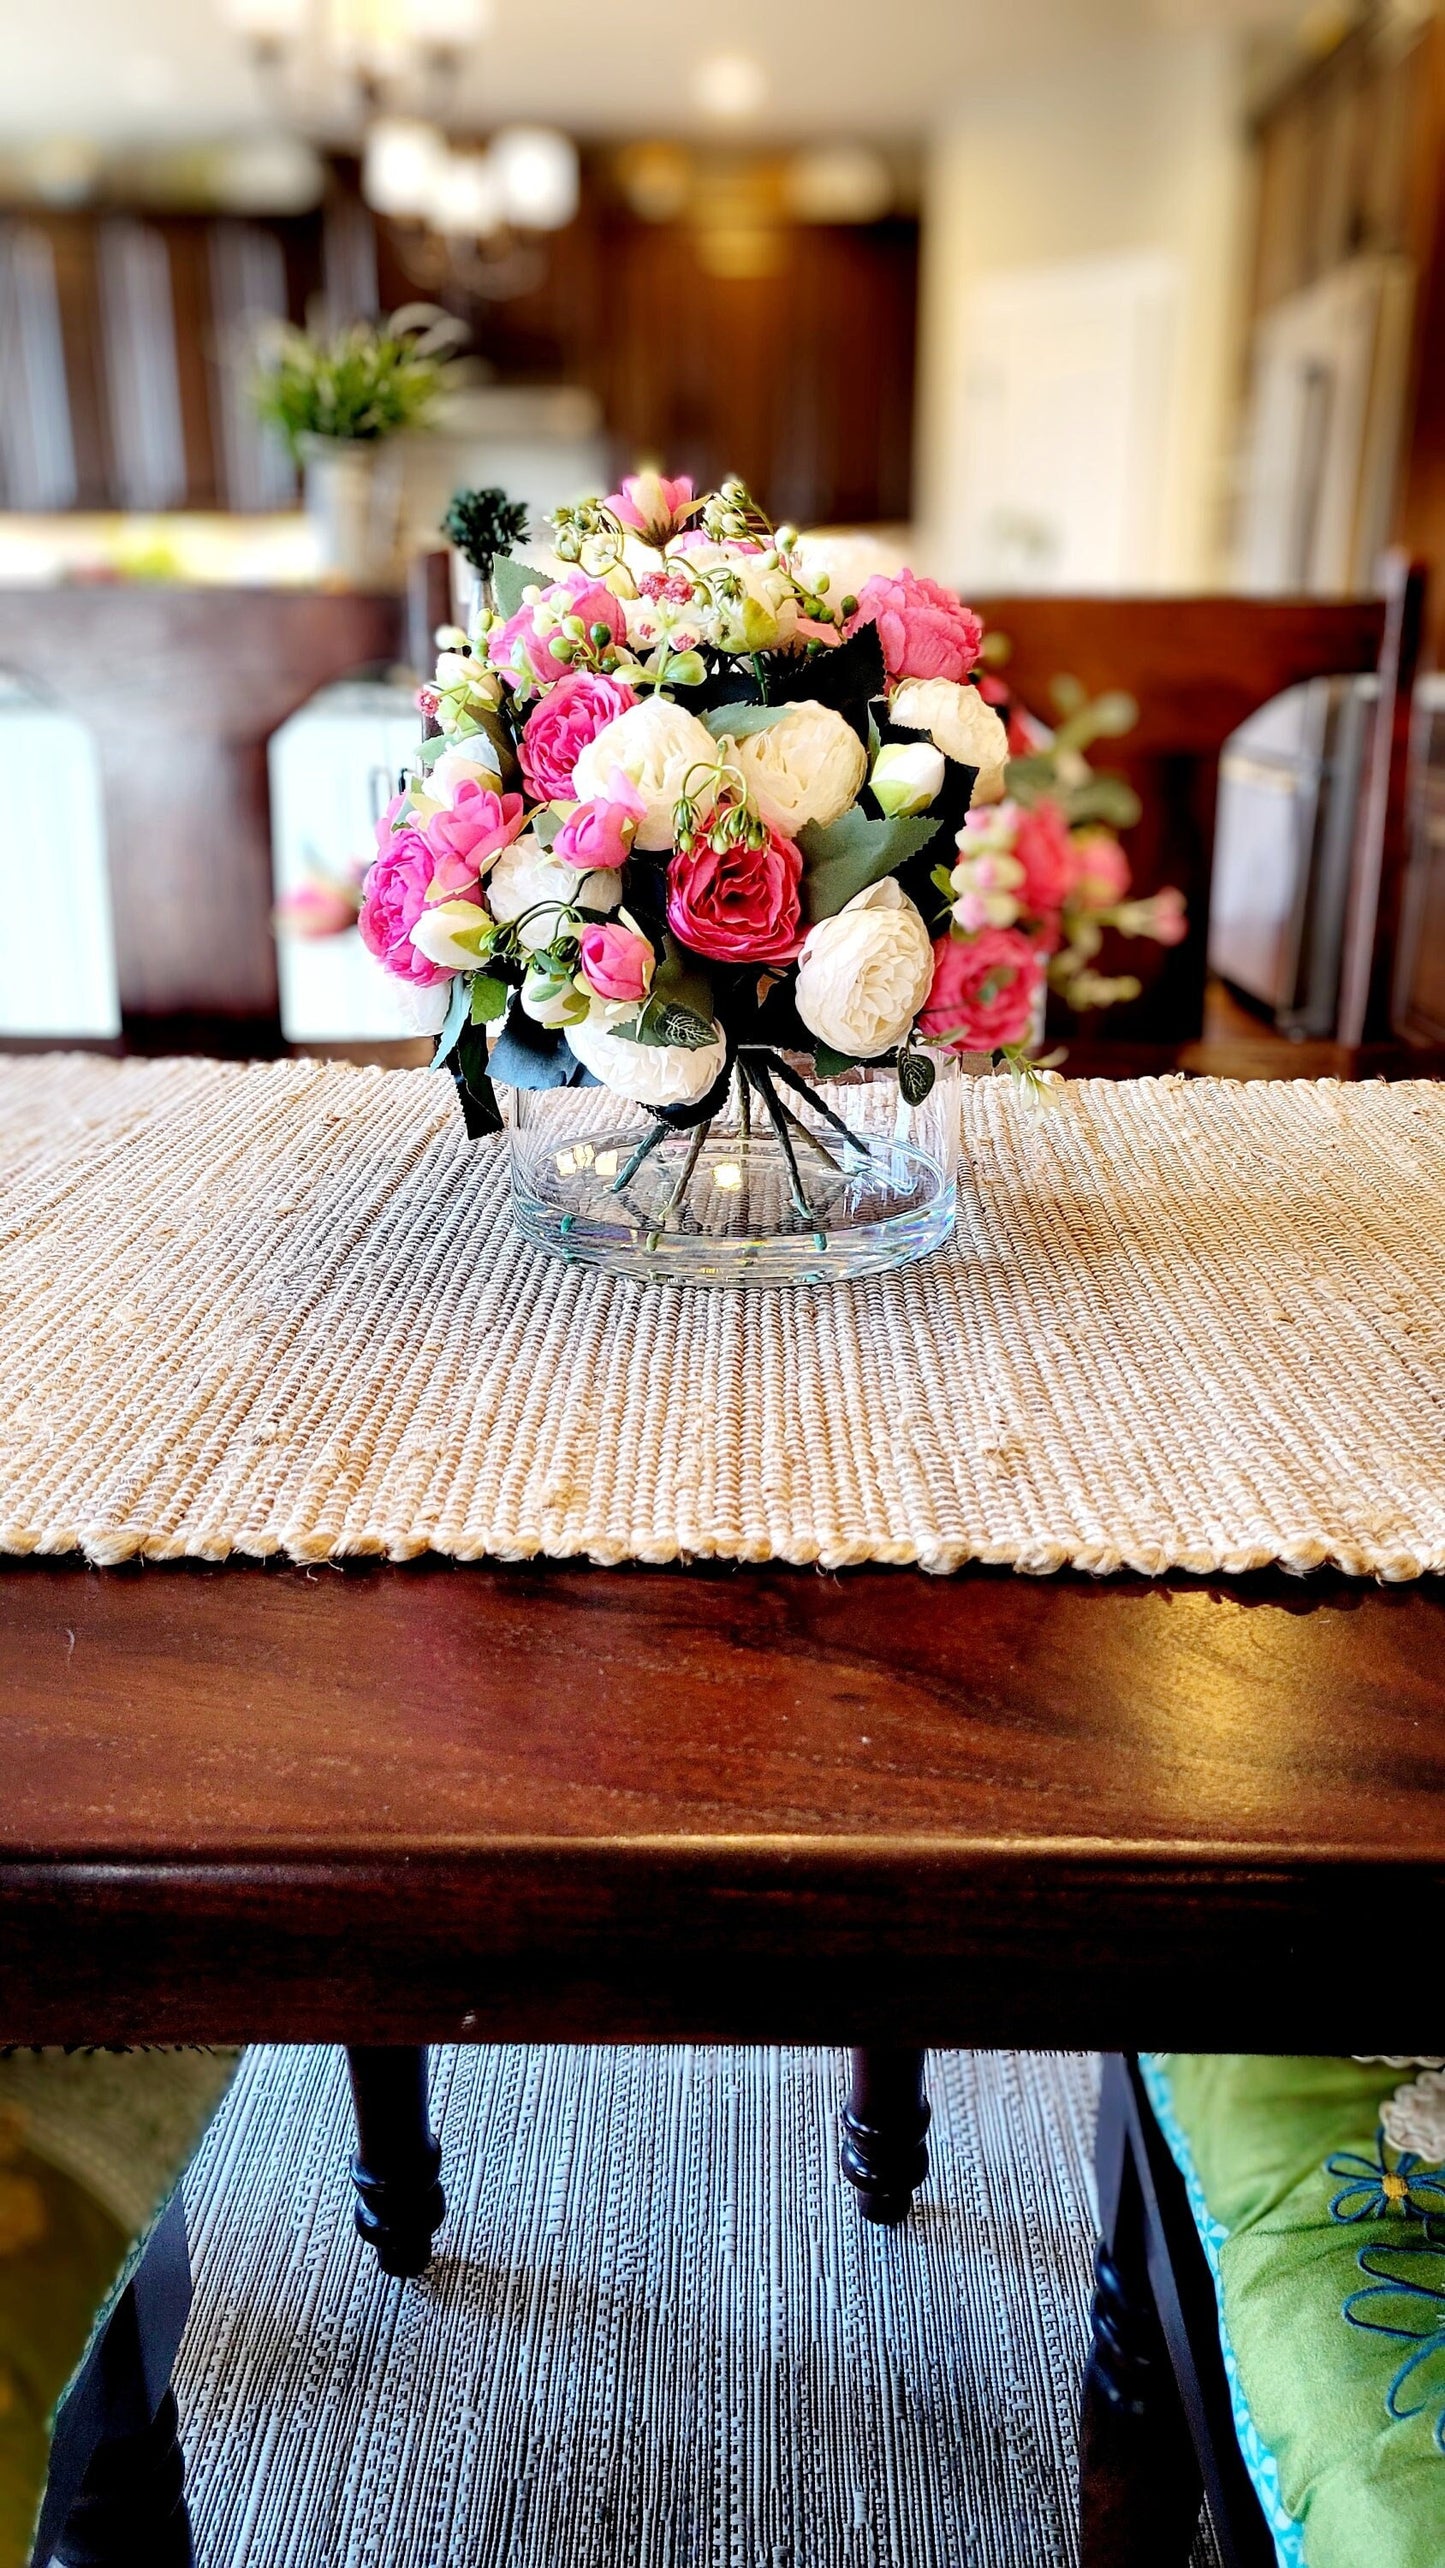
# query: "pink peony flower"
(560, 727)
(520, 651)
(983, 991)
(654, 507)
(615, 963)
(1043, 847)
(737, 904)
(393, 898)
(599, 834)
(1101, 869)
(318, 907)
(465, 839)
(926, 631)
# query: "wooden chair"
(1198, 667)
(1156, 2430)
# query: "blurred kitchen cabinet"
(57, 957)
(333, 769)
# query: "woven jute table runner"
(282, 1309)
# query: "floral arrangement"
(697, 805)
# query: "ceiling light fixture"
(730, 86)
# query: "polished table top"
(438, 1802)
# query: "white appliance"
(334, 767)
(1290, 781)
(57, 955)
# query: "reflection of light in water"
(569, 1161)
(728, 1177)
(606, 1163)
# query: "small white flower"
(864, 974)
(525, 877)
(549, 1001)
(808, 766)
(907, 774)
(652, 1074)
(959, 723)
(656, 745)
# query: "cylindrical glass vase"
(846, 1180)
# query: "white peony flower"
(846, 561)
(656, 745)
(423, 1003)
(525, 876)
(808, 766)
(864, 974)
(907, 774)
(456, 934)
(470, 762)
(960, 724)
(652, 1074)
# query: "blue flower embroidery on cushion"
(1373, 2189)
(1413, 2314)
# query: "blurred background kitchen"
(1070, 299)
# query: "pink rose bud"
(615, 962)
(1170, 926)
(600, 834)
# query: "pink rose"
(738, 904)
(1101, 869)
(983, 991)
(520, 651)
(393, 898)
(599, 834)
(560, 727)
(926, 631)
(465, 839)
(1043, 847)
(615, 963)
(654, 507)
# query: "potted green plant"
(340, 401)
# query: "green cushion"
(1344, 2483)
(92, 2146)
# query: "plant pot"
(354, 501)
(601, 1182)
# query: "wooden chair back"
(1198, 666)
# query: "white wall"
(1135, 148)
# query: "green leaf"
(509, 578)
(843, 859)
(490, 999)
(740, 721)
(457, 1016)
(473, 1076)
(830, 1064)
(916, 1075)
(1104, 798)
(544, 825)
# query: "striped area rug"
(656, 2334)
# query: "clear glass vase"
(857, 1180)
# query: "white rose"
(455, 934)
(472, 763)
(423, 1003)
(846, 562)
(864, 974)
(652, 1074)
(960, 724)
(524, 875)
(808, 766)
(656, 745)
(907, 774)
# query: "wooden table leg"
(884, 2155)
(400, 2205)
(1140, 2483)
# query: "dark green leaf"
(843, 859)
(830, 1064)
(489, 999)
(916, 1075)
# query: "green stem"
(649, 1142)
(684, 1180)
(757, 1072)
(778, 1065)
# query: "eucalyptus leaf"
(458, 1014)
(841, 860)
(509, 578)
(741, 721)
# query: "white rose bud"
(652, 1074)
(456, 934)
(907, 775)
(808, 766)
(864, 974)
(549, 1001)
(656, 744)
(525, 877)
(960, 724)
